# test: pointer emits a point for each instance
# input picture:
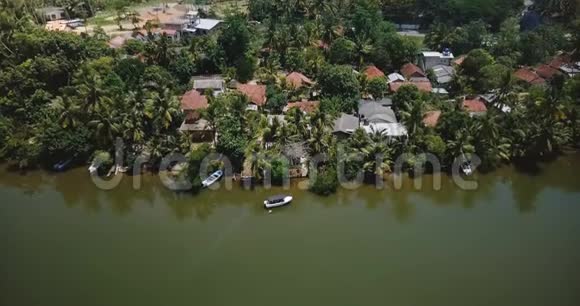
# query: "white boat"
(277, 201)
(212, 178)
(466, 168)
(93, 169)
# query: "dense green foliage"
(65, 96)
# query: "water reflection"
(507, 184)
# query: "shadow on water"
(523, 185)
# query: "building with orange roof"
(474, 106)
(373, 72)
(297, 80)
(410, 70)
(193, 100)
(529, 76)
(256, 93)
(547, 72)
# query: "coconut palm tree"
(134, 119)
(105, 127)
(377, 154)
(255, 160)
(491, 145)
(161, 108)
(92, 91)
(69, 111)
(412, 115)
(319, 136)
(363, 47)
(461, 144)
(296, 122)
(284, 136)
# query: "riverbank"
(77, 189)
(513, 241)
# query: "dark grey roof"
(386, 102)
(376, 113)
(382, 118)
(346, 124)
(444, 74)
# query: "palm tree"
(319, 8)
(328, 29)
(134, 119)
(92, 91)
(296, 122)
(491, 145)
(319, 136)
(255, 160)
(377, 154)
(161, 108)
(160, 52)
(461, 144)
(69, 111)
(363, 47)
(261, 130)
(284, 136)
(105, 127)
(412, 116)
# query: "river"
(513, 241)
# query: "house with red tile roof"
(411, 70)
(431, 118)
(297, 80)
(424, 86)
(256, 93)
(547, 72)
(193, 100)
(304, 106)
(373, 72)
(474, 106)
(529, 76)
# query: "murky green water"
(514, 241)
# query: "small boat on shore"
(277, 201)
(212, 178)
(62, 165)
(466, 168)
(93, 169)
